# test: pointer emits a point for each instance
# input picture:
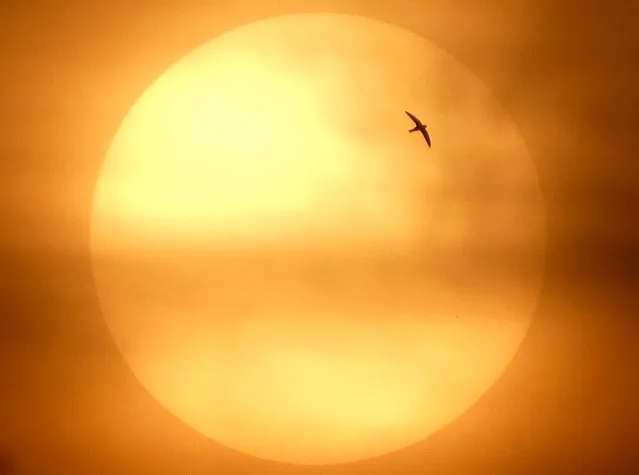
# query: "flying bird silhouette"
(419, 126)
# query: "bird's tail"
(414, 129)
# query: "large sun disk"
(290, 272)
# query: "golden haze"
(290, 272)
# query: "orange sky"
(68, 403)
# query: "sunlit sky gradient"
(564, 71)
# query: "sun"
(289, 271)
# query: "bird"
(419, 126)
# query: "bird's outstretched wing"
(413, 118)
(426, 136)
